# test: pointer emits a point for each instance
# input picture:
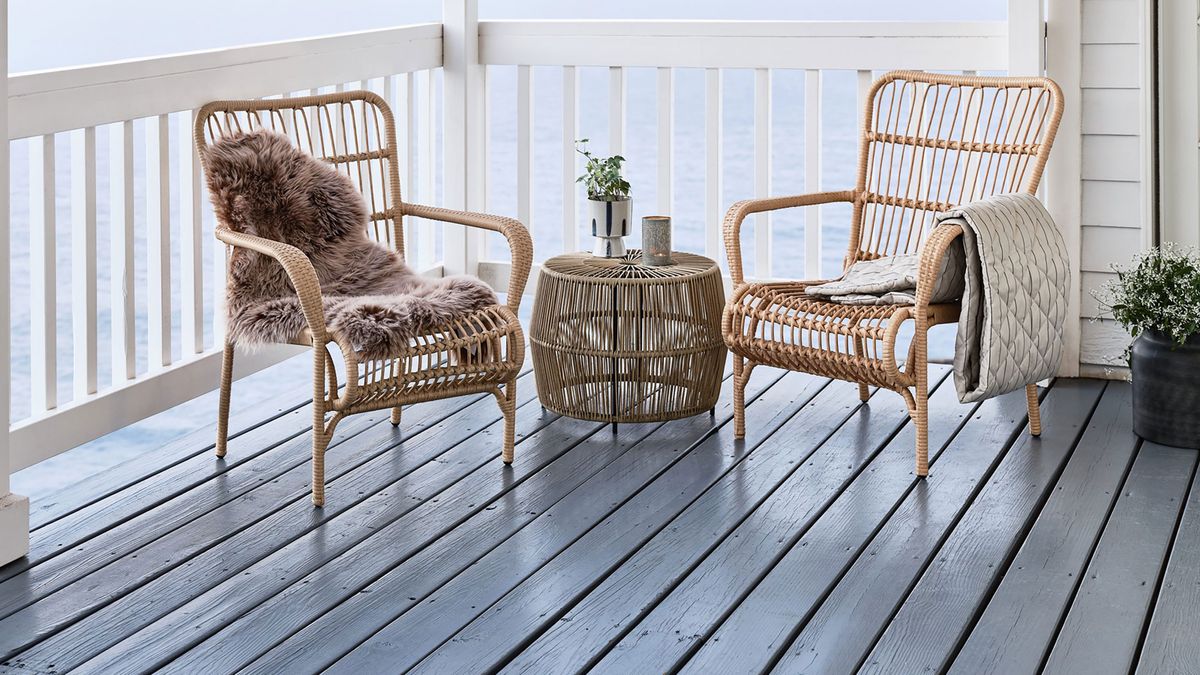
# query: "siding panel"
(1103, 343)
(1106, 246)
(1111, 158)
(1111, 66)
(1110, 22)
(1112, 111)
(1112, 204)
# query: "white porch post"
(464, 130)
(14, 509)
(1043, 38)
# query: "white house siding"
(1115, 168)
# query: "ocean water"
(839, 115)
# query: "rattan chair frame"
(480, 353)
(928, 142)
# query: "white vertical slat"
(407, 153)
(616, 110)
(43, 334)
(865, 79)
(812, 172)
(191, 259)
(762, 170)
(525, 146)
(570, 131)
(158, 239)
(83, 260)
(712, 174)
(666, 117)
(426, 249)
(120, 201)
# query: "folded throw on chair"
(262, 185)
(1012, 272)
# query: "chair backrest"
(354, 131)
(931, 142)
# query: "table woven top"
(630, 267)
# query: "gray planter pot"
(1166, 390)
(610, 221)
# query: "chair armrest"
(520, 244)
(933, 251)
(738, 212)
(299, 270)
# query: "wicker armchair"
(929, 142)
(481, 353)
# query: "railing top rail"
(49, 101)
(850, 45)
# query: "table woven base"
(615, 341)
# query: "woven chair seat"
(778, 324)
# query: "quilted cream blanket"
(1012, 272)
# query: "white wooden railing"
(164, 272)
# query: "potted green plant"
(1157, 300)
(609, 206)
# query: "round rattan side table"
(617, 341)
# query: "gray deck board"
(1014, 632)
(680, 585)
(1172, 644)
(811, 546)
(388, 460)
(935, 617)
(1104, 625)
(590, 537)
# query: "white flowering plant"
(1158, 291)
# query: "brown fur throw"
(261, 184)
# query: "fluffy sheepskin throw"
(262, 185)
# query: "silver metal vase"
(610, 222)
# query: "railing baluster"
(713, 111)
(616, 110)
(407, 152)
(865, 79)
(158, 239)
(666, 117)
(83, 260)
(812, 172)
(191, 256)
(525, 145)
(569, 164)
(120, 200)
(427, 250)
(43, 334)
(762, 170)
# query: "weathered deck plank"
(664, 547)
(672, 587)
(593, 537)
(1172, 644)
(416, 578)
(1015, 630)
(227, 540)
(1103, 628)
(936, 615)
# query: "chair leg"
(396, 416)
(741, 375)
(508, 406)
(919, 355)
(223, 405)
(1035, 412)
(863, 392)
(320, 441)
